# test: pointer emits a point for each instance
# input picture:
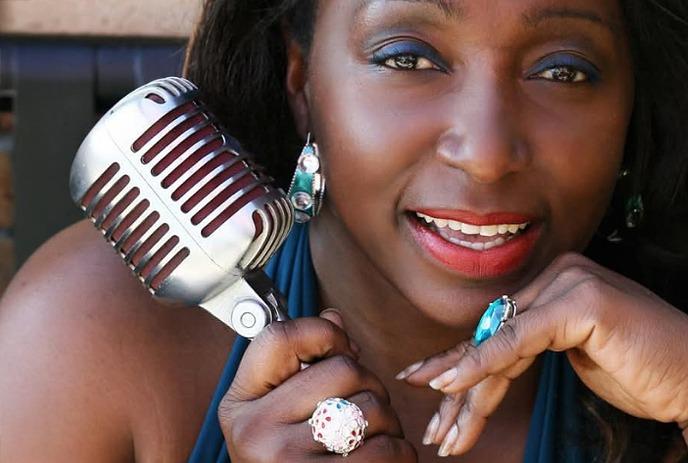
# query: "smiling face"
(466, 144)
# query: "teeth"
(498, 242)
(488, 230)
(470, 229)
(479, 246)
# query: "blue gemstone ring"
(497, 313)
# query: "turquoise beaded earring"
(308, 184)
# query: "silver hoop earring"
(308, 183)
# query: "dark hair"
(237, 57)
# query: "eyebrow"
(536, 16)
(452, 9)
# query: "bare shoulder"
(99, 370)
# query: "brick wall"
(130, 18)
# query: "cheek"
(370, 147)
(578, 164)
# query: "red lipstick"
(476, 264)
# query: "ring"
(339, 425)
(497, 313)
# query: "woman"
(546, 116)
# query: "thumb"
(335, 316)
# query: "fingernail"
(444, 379)
(431, 430)
(448, 442)
(408, 371)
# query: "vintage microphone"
(185, 207)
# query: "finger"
(381, 418)
(335, 316)
(564, 270)
(378, 449)
(560, 324)
(481, 401)
(442, 421)
(547, 285)
(295, 443)
(278, 351)
(339, 376)
(479, 404)
(420, 373)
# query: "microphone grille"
(164, 192)
(132, 227)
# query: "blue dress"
(555, 421)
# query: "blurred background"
(62, 64)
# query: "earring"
(634, 211)
(308, 184)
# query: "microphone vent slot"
(155, 97)
(272, 223)
(132, 228)
(160, 125)
(182, 147)
(157, 278)
(211, 180)
(233, 208)
(192, 120)
(98, 185)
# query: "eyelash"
(561, 68)
(565, 68)
(413, 53)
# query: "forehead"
(605, 13)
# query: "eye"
(564, 74)
(408, 56)
(409, 62)
(565, 69)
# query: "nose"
(483, 138)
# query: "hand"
(265, 411)
(625, 343)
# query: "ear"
(297, 85)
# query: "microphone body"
(184, 206)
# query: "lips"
(476, 246)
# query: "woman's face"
(448, 126)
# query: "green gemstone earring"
(308, 184)
(635, 211)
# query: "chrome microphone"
(185, 207)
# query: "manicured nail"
(449, 441)
(408, 371)
(431, 430)
(444, 379)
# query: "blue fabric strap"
(555, 415)
(556, 421)
(292, 271)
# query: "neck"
(377, 316)
(392, 334)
